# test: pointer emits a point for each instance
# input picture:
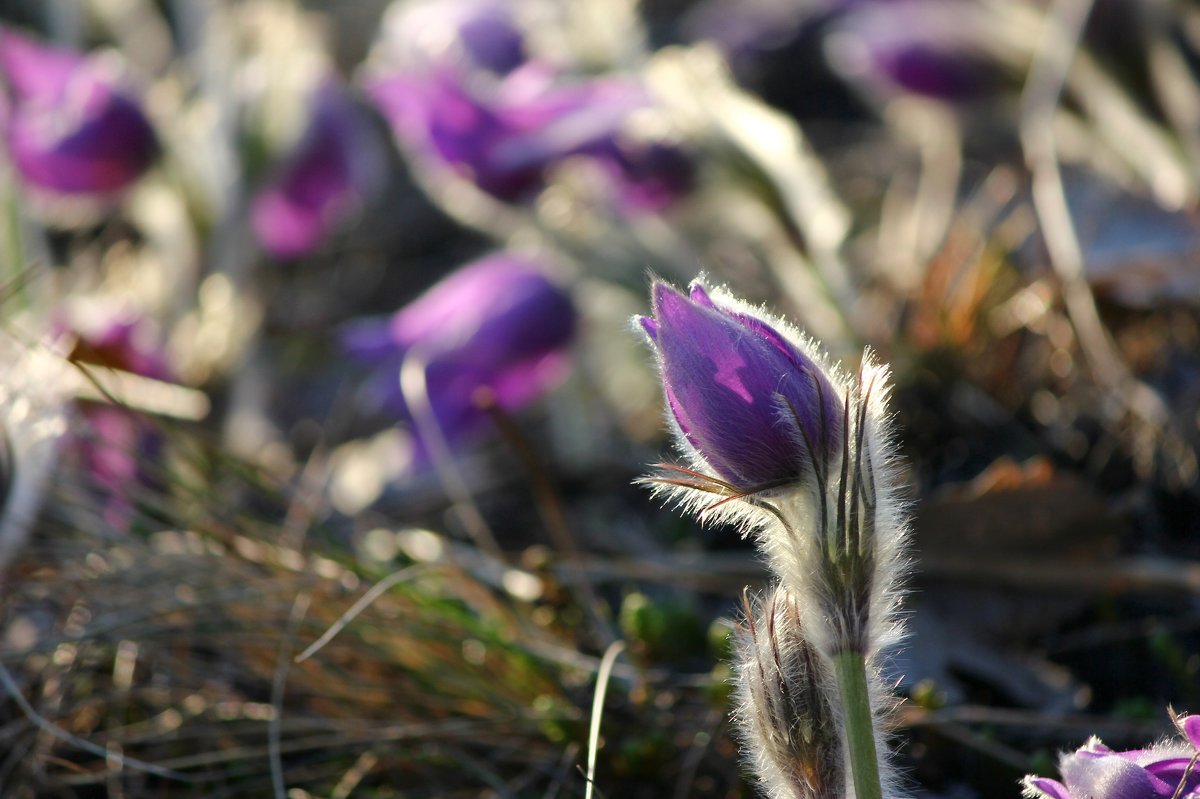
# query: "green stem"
(851, 670)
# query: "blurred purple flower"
(748, 399)
(68, 128)
(1096, 772)
(475, 34)
(942, 49)
(496, 324)
(118, 447)
(507, 141)
(336, 163)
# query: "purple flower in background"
(507, 141)
(498, 324)
(747, 394)
(1096, 772)
(474, 34)
(336, 164)
(937, 48)
(68, 129)
(117, 446)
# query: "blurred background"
(320, 404)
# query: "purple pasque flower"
(498, 324)
(506, 140)
(749, 397)
(941, 49)
(336, 164)
(1094, 771)
(117, 446)
(472, 34)
(68, 128)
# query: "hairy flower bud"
(744, 397)
(798, 453)
(790, 447)
(786, 717)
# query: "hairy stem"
(851, 670)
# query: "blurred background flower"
(69, 126)
(119, 448)
(508, 139)
(498, 324)
(337, 164)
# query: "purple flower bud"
(750, 401)
(507, 141)
(68, 128)
(337, 163)
(497, 323)
(1096, 772)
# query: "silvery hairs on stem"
(788, 726)
(791, 449)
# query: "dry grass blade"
(358, 607)
(610, 657)
(121, 761)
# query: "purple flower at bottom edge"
(337, 162)
(498, 324)
(1096, 772)
(68, 129)
(746, 398)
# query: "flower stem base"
(851, 671)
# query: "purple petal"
(336, 163)
(725, 380)
(34, 71)
(498, 324)
(698, 293)
(505, 141)
(1172, 771)
(1109, 776)
(466, 34)
(1051, 789)
(1190, 727)
(69, 130)
(929, 47)
(492, 40)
